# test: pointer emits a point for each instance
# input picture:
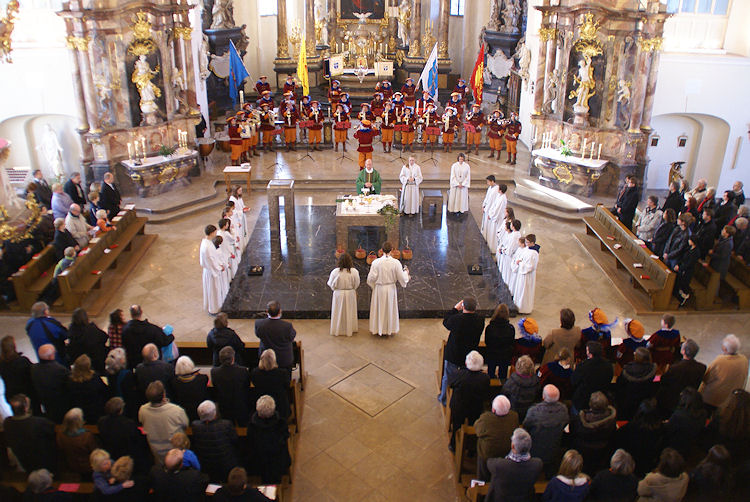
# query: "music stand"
(432, 151)
(400, 156)
(343, 152)
(307, 154)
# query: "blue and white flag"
(429, 77)
(237, 73)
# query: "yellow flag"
(302, 68)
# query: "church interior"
(212, 161)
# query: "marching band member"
(398, 103)
(316, 116)
(267, 126)
(449, 125)
(235, 140)
(388, 117)
(409, 91)
(457, 103)
(244, 125)
(286, 100)
(512, 132)
(422, 103)
(385, 88)
(290, 86)
(365, 135)
(334, 93)
(262, 85)
(431, 127)
(407, 135)
(474, 121)
(344, 100)
(290, 116)
(252, 123)
(377, 104)
(304, 114)
(495, 133)
(365, 113)
(265, 98)
(462, 89)
(340, 126)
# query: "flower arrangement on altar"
(565, 149)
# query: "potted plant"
(564, 149)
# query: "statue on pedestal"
(586, 85)
(552, 83)
(223, 15)
(524, 60)
(494, 23)
(321, 23)
(404, 18)
(204, 54)
(623, 103)
(52, 151)
(142, 75)
(511, 14)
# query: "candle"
(242, 97)
(143, 146)
(583, 148)
(591, 156)
(599, 155)
(130, 151)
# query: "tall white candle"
(592, 150)
(599, 154)
(583, 148)
(242, 97)
(130, 151)
(143, 146)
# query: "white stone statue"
(203, 57)
(222, 14)
(142, 75)
(524, 60)
(404, 19)
(586, 83)
(623, 102)
(52, 151)
(552, 82)
(511, 14)
(321, 22)
(494, 22)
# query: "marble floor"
(384, 442)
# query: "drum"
(223, 144)
(205, 146)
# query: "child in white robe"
(225, 278)
(525, 285)
(344, 281)
(212, 272)
(514, 264)
(508, 252)
(228, 246)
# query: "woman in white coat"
(210, 261)
(458, 196)
(411, 178)
(344, 281)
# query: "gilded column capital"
(547, 34)
(650, 44)
(183, 32)
(78, 43)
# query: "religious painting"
(359, 9)
(682, 141)
(654, 140)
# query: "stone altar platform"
(297, 268)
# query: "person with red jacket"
(449, 125)
(431, 127)
(456, 101)
(365, 135)
(474, 120)
(398, 103)
(377, 104)
(334, 93)
(290, 86)
(290, 117)
(495, 134)
(422, 103)
(235, 140)
(265, 98)
(267, 126)
(316, 117)
(409, 91)
(462, 89)
(385, 88)
(262, 85)
(365, 113)
(340, 127)
(512, 132)
(407, 121)
(665, 343)
(388, 117)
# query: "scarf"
(515, 457)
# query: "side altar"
(568, 173)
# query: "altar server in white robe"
(238, 221)
(240, 209)
(523, 292)
(228, 246)
(385, 272)
(458, 196)
(225, 278)
(514, 264)
(489, 198)
(210, 261)
(508, 250)
(411, 178)
(496, 216)
(344, 281)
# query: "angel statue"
(552, 83)
(404, 17)
(204, 54)
(623, 102)
(586, 85)
(524, 59)
(510, 16)
(223, 15)
(142, 75)
(494, 23)
(178, 89)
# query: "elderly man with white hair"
(513, 477)
(267, 438)
(471, 386)
(699, 192)
(214, 442)
(726, 373)
(494, 430)
(76, 224)
(546, 422)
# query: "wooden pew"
(738, 280)
(705, 286)
(31, 279)
(109, 257)
(478, 493)
(462, 435)
(610, 231)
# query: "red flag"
(477, 76)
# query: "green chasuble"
(364, 177)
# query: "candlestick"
(592, 150)
(583, 148)
(599, 155)
(130, 151)
(143, 146)
(242, 97)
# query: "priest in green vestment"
(368, 181)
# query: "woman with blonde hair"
(269, 379)
(86, 390)
(189, 386)
(75, 442)
(105, 482)
(570, 484)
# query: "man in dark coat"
(674, 200)
(222, 336)
(465, 327)
(276, 334)
(684, 373)
(32, 439)
(471, 387)
(231, 384)
(627, 201)
(706, 232)
(137, 333)
(593, 374)
(50, 378)
(63, 239)
(513, 477)
(43, 191)
(74, 189)
(546, 422)
(175, 483)
(109, 197)
(151, 370)
(214, 441)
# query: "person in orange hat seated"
(262, 85)
(530, 344)
(290, 117)
(316, 117)
(599, 331)
(665, 343)
(365, 135)
(624, 352)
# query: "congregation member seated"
(471, 386)
(570, 484)
(30, 438)
(529, 344)
(104, 482)
(599, 331)
(626, 350)
(593, 429)
(546, 422)
(499, 337)
(665, 343)
(558, 373)
(267, 447)
(592, 375)
(522, 387)
(725, 373)
(730, 425)
(103, 225)
(120, 435)
(15, 371)
(85, 337)
(686, 372)
(181, 442)
(43, 328)
(277, 334)
(269, 379)
(513, 477)
(635, 383)
(75, 443)
(712, 477)
(50, 379)
(63, 239)
(114, 330)
(39, 488)
(161, 420)
(618, 483)
(214, 442)
(189, 386)
(668, 482)
(76, 223)
(138, 332)
(85, 390)
(687, 421)
(231, 384)
(172, 482)
(664, 231)
(643, 436)
(153, 369)
(121, 381)
(236, 489)
(567, 336)
(221, 335)
(494, 429)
